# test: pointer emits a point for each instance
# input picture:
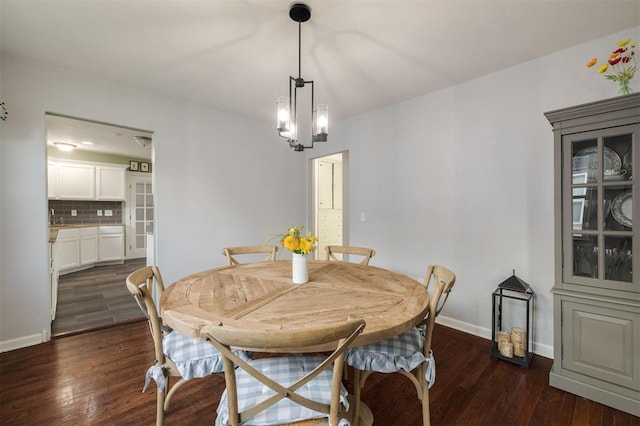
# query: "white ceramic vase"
(299, 269)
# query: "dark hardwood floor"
(95, 298)
(96, 378)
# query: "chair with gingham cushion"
(289, 389)
(408, 353)
(176, 355)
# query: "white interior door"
(140, 215)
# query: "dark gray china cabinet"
(597, 244)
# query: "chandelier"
(287, 107)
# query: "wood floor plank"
(96, 378)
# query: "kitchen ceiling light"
(64, 146)
(287, 124)
(143, 141)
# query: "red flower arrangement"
(621, 65)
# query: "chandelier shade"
(290, 119)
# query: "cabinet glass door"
(598, 217)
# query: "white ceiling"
(103, 138)
(237, 55)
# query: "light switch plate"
(108, 212)
(74, 212)
(99, 212)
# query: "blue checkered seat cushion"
(401, 352)
(286, 371)
(194, 358)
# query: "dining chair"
(269, 251)
(286, 389)
(367, 253)
(176, 355)
(409, 353)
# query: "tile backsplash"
(87, 212)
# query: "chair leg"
(160, 406)
(173, 390)
(424, 394)
(426, 421)
(357, 388)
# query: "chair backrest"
(140, 284)
(224, 337)
(443, 280)
(269, 251)
(367, 253)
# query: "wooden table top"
(262, 296)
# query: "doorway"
(329, 212)
(88, 271)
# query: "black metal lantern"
(511, 336)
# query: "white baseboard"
(538, 348)
(22, 342)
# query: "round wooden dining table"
(261, 296)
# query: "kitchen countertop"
(53, 229)
(83, 225)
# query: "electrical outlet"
(74, 212)
(99, 212)
(108, 212)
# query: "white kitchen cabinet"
(329, 225)
(76, 181)
(110, 183)
(52, 181)
(85, 246)
(111, 243)
(325, 191)
(68, 250)
(88, 245)
(53, 277)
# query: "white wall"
(464, 177)
(461, 177)
(210, 169)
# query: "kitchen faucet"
(52, 218)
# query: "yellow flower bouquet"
(300, 245)
(620, 66)
(297, 243)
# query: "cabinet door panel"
(88, 245)
(597, 211)
(110, 183)
(600, 342)
(76, 182)
(68, 253)
(325, 192)
(52, 181)
(111, 243)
